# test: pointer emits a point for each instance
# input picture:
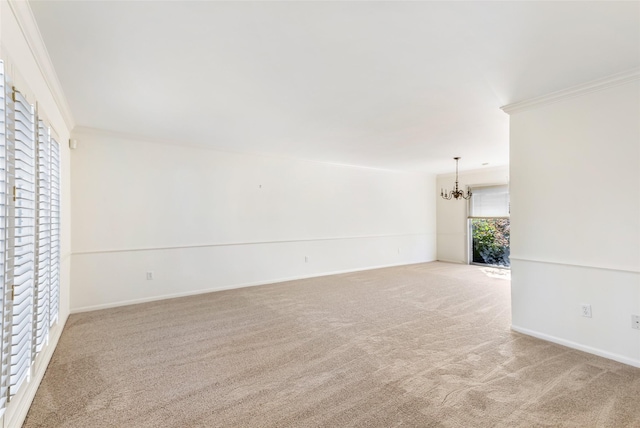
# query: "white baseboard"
(230, 287)
(578, 346)
(19, 406)
(458, 262)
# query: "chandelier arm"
(446, 195)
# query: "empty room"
(319, 214)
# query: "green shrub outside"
(491, 241)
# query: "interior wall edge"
(101, 279)
(230, 287)
(577, 265)
(635, 362)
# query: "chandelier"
(455, 193)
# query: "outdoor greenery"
(491, 241)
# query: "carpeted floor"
(425, 345)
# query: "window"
(489, 202)
(489, 226)
(29, 237)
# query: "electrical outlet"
(149, 276)
(586, 310)
(635, 322)
(306, 259)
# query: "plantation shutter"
(29, 237)
(22, 252)
(54, 259)
(5, 293)
(489, 201)
(43, 239)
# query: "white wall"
(452, 230)
(21, 49)
(575, 219)
(204, 220)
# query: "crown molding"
(29, 27)
(574, 91)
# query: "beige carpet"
(424, 345)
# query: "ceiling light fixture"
(455, 193)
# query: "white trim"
(29, 27)
(15, 417)
(231, 244)
(233, 287)
(568, 343)
(574, 91)
(519, 259)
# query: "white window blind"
(489, 201)
(5, 293)
(54, 259)
(43, 238)
(22, 250)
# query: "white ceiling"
(397, 85)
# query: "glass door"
(489, 226)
